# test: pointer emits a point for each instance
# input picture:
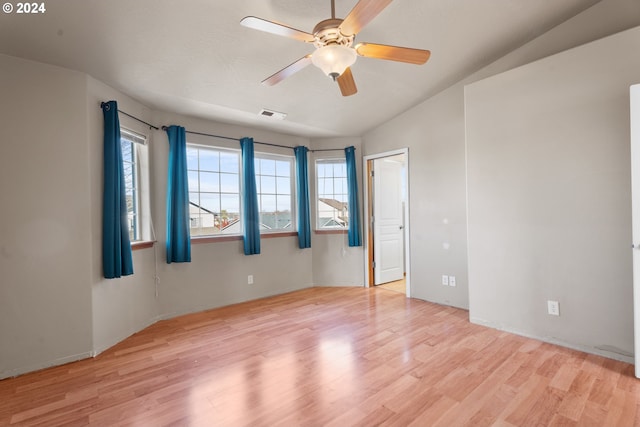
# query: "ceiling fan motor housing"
(327, 32)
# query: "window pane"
(322, 170)
(267, 185)
(131, 201)
(268, 203)
(130, 183)
(192, 158)
(127, 150)
(283, 203)
(210, 203)
(229, 183)
(230, 214)
(340, 186)
(332, 194)
(230, 204)
(193, 180)
(283, 185)
(267, 167)
(209, 182)
(209, 161)
(214, 184)
(283, 168)
(229, 162)
(322, 187)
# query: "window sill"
(215, 239)
(278, 234)
(341, 231)
(142, 245)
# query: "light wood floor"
(327, 356)
(397, 286)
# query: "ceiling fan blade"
(361, 14)
(393, 53)
(346, 83)
(287, 71)
(275, 28)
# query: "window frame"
(333, 228)
(137, 140)
(218, 149)
(292, 191)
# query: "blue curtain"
(250, 213)
(352, 184)
(178, 237)
(302, 196)
(116, 247)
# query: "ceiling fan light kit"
(333, 39)
(334, 59)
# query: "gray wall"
(334, 262)
(120, 307)
(45, 244)
(434, 134)
(54, 305)
(548, 172)
(218, 272)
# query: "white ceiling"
(193, 57)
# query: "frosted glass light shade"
(334, 59)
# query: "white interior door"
(388, 233)
(635, 186)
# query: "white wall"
(549, 196)
(334, 262)
(45, 263)
(217, 274)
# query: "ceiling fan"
(333, 39)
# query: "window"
(274, 186)
(131, 143)
(332, 201)
(215, 197)
(214, 191)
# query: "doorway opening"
(386, 201)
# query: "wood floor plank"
(327, 356)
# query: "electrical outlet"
(445, 280)
(553, 308)
(452, 280)
(250, 279)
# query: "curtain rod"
(219, 136)
(255, 142)
(133, 117)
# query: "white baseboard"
(553, 340)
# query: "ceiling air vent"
(270, 114)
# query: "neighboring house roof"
(200, 207)
(232, 223)
(336, 204)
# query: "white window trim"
(317, 195)
(240, 187)
(293, 194)
(141, 183)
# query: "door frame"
(634, 95)
(368, 211)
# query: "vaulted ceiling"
(193, 57)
